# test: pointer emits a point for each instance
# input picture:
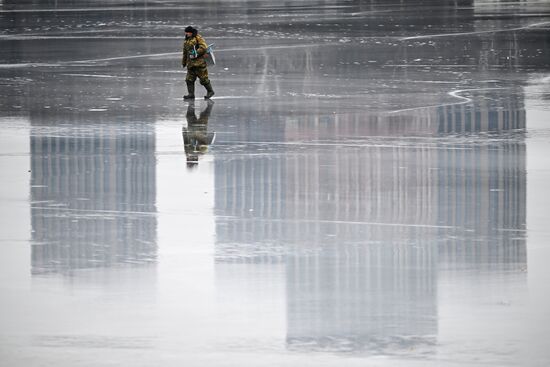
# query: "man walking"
(194, 50)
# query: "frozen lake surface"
(373, 192)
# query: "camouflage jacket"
(190, 45)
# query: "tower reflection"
(364, 215)
(93, 195)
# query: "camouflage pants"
(194, 72)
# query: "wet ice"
(373, 195)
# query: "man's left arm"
(202, 47)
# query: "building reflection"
(362, 273)
(498, 113)
(93, 195)
(373, 298)
(364, 216)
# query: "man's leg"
(202, 73)
(190, 81)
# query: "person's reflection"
(196, 137)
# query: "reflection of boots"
(190, 115)
(209, 90)
(190, 90)
(205, 114)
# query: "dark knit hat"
(190, 29)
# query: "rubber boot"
(209, 91)
(190, 90)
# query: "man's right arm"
(184, 57)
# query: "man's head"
(190, 32)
